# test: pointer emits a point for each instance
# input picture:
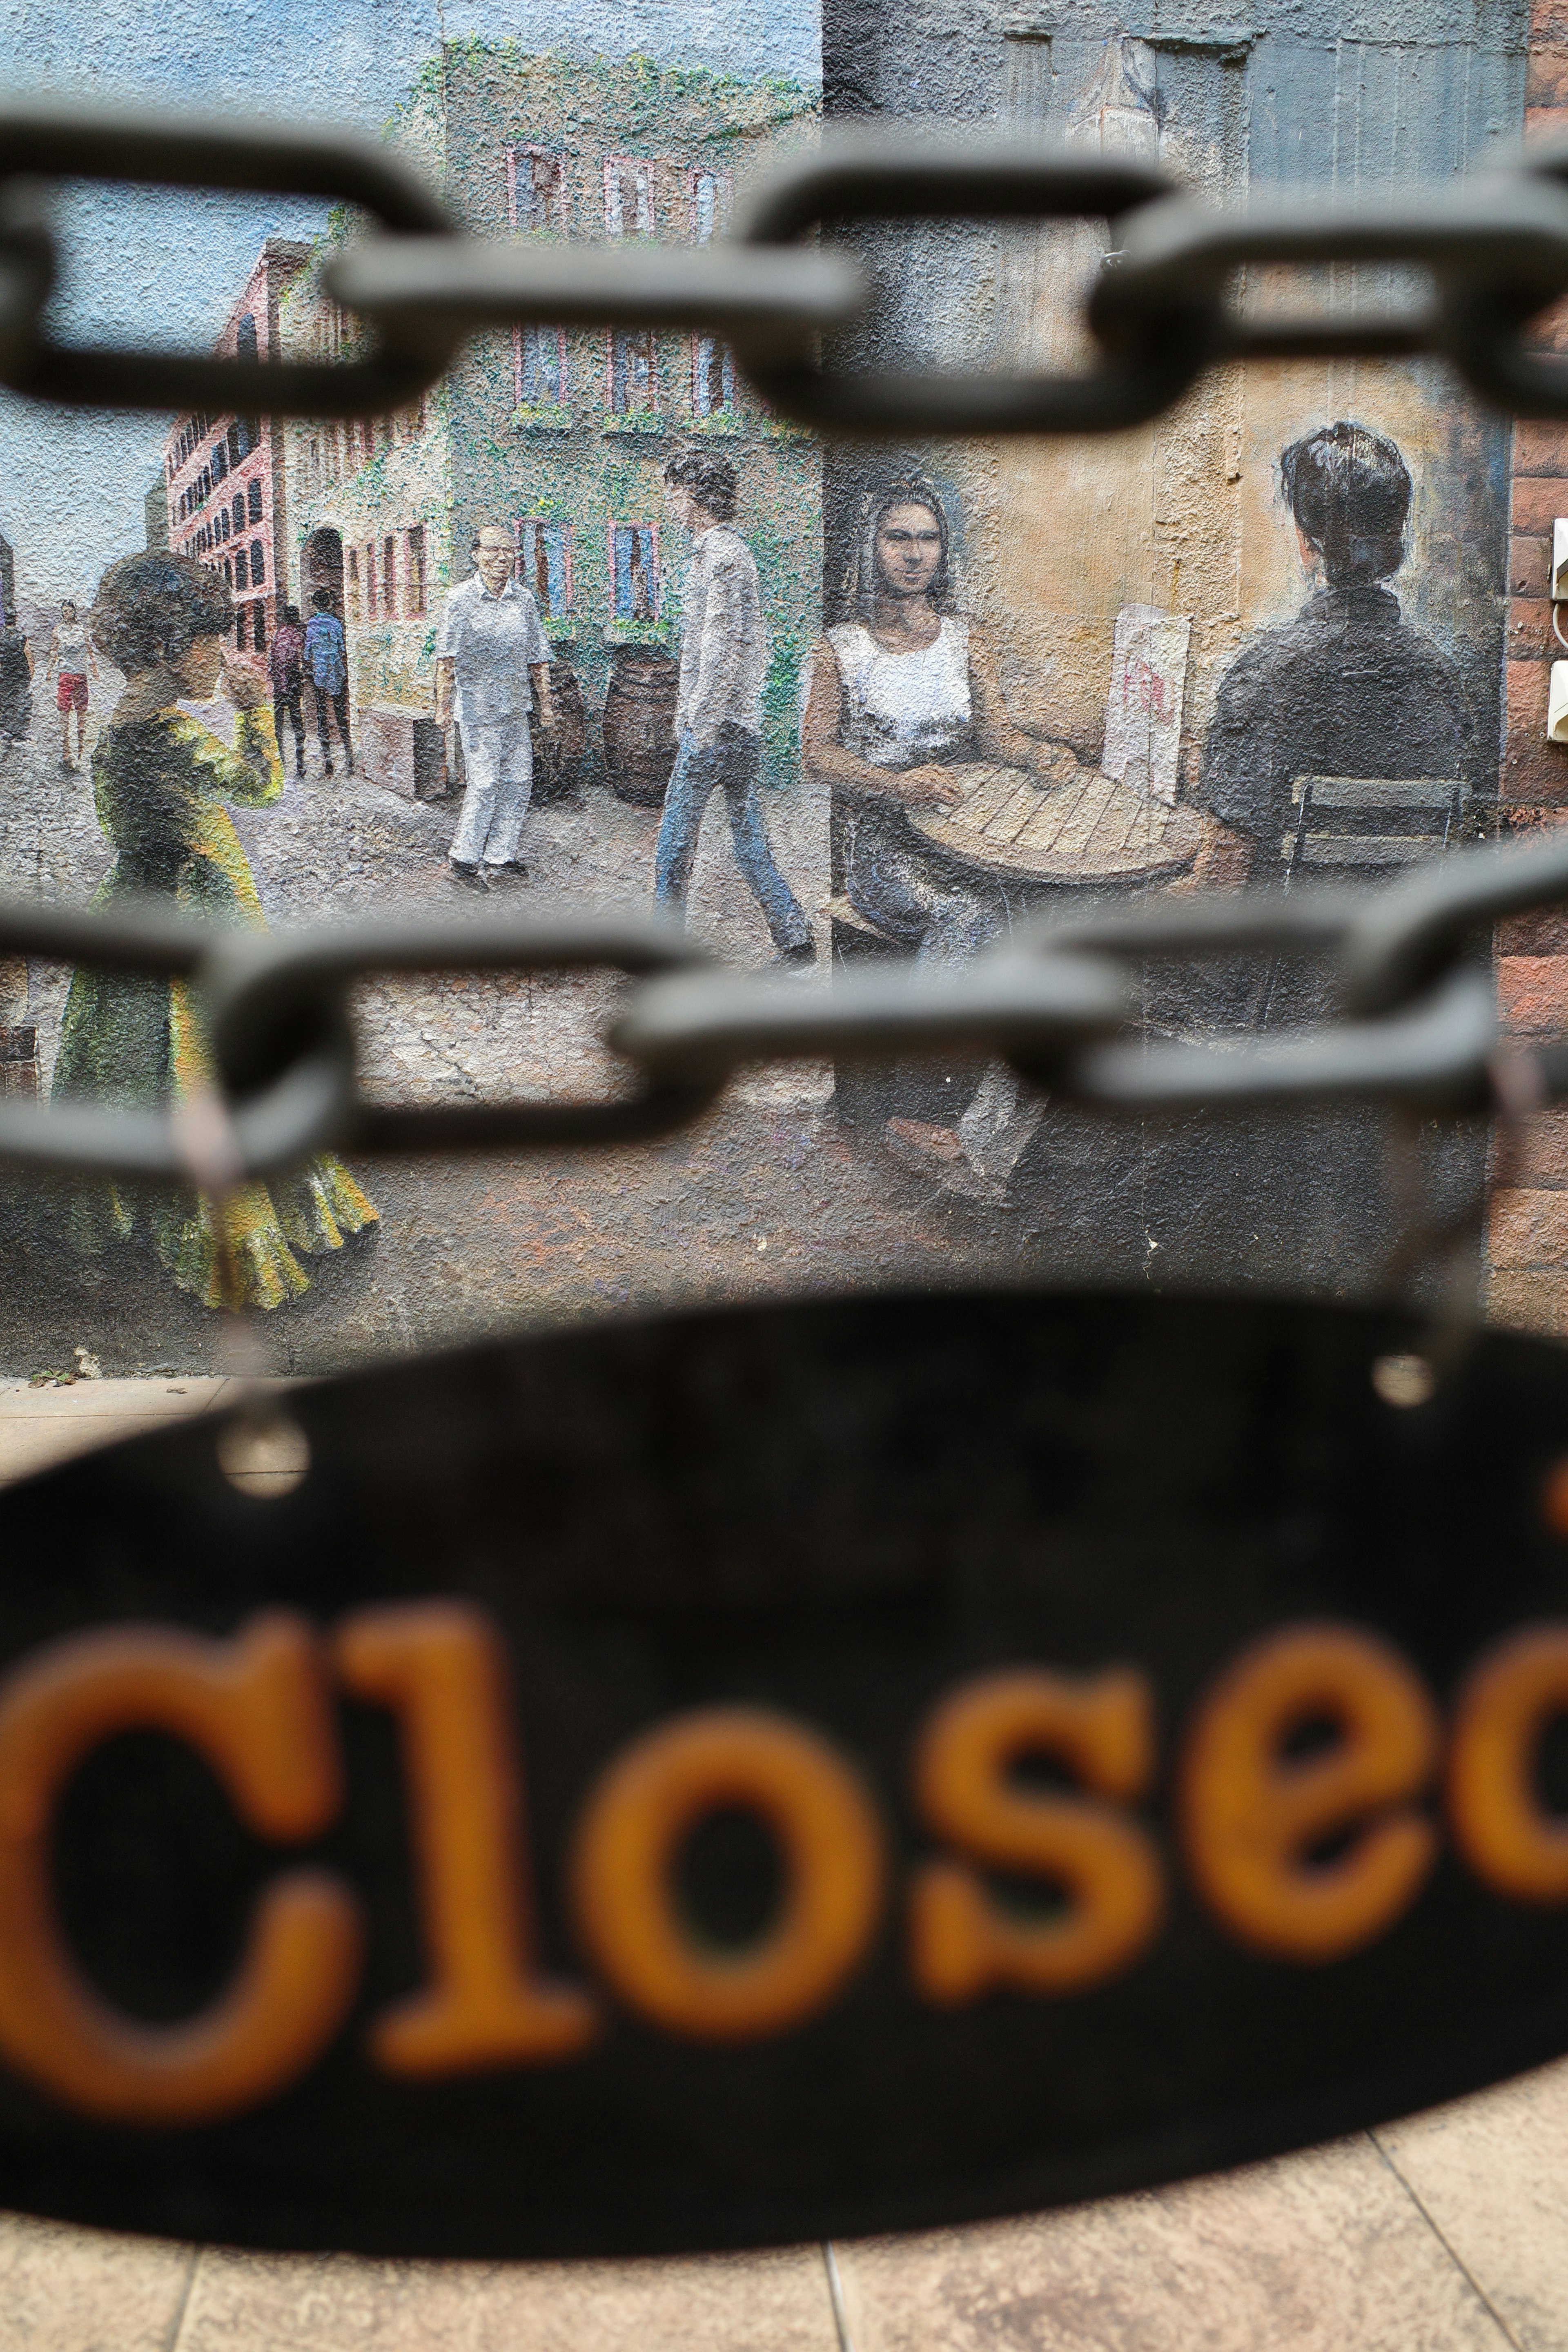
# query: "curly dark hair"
(710, 478)
(152, 608)
(1349, 491)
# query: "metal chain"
(1161, 311)
(1420, 1031)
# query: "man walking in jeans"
(718, 712)
(326, 660)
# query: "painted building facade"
(562, 437)
(224, 476)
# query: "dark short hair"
(710, 478)
(68, 604)
(291, 614)
(479, 529)
(322, 600)
(152, 608)
(1349, 491)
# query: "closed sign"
(789, 1772)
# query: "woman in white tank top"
(900, 693)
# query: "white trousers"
(498, 760)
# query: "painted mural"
(589, 629)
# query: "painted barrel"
(558, 758)
(640, 724)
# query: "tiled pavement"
(1445, 2234)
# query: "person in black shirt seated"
(1347, 689)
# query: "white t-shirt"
(491, 641)
(71, 645)
(902, 709)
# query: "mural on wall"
(1258, 642)
(589, 630)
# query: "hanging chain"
(1494, 250)
(1419, 1030)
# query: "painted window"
(628, 196)
(245, 337)
(241, 572)
(219, 460)
(238, 512)
(258, 626)
(354, 607)
(632, 380)
(415, 574)
(710, 205)
(536, 187)
(389, 575)
(544, 564)
(712, 375)
(257, 564)
(539, 366)
(253, 501)
(633, 569)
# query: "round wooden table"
(1090, 830)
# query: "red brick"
(1540, 447)
(1543, 122)
(1529, 1302)
(1532, 991)
(1542, 1160)
(1533, 771)
(1547, 24)
(1537, 500)
(1529, 564)
(1544, 933)
(1529, 1229)
(1546, 77)
(1529, 637)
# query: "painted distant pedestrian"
(327, 667)
(15, 686)
(71, 658)
(286, 668)
(718, 703)
(491, 658)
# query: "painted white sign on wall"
(1143, 713)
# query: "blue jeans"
(733, 762)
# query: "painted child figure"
(718, 712)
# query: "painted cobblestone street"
(769, 1193)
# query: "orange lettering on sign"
(256, 1709)
(441, 1667)
(648, 1801)
(1252, 1813)
(1503, 1708)
(962, 1941)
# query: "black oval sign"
(776, 1774)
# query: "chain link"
(1160, 313)
(1059, 1003)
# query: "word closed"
(764, 1775)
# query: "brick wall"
(1528, 1242)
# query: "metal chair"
(1373, 821)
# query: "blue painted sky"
(167, 268)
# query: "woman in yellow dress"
(160, 779)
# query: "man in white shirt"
(718, 703)
(491, 658)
